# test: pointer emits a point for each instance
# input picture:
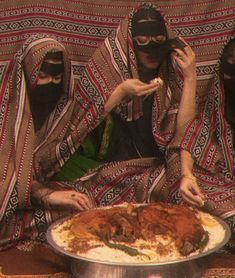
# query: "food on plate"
(134, 233)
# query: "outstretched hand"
(191, 192)
(129, 87)
(68, 198)
(136, 87)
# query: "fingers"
(186, 54)
(187, 48)
(148, 88)
(198, 192)
(82, 200)
(193, 195)
(186, 62)
(70, 198)
(193, 199)
(139, 88)
(74, 204)
(191, 192)
(180, 56)
(182, 39)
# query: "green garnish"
(129, 250)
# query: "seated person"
(213, 181)
(35, 107)
(228, 71)
(149, 118)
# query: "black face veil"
(147, 21)
(43, 98)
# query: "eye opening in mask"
(45, 78)
(145, 40)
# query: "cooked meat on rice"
(145, 222)
(139, 233)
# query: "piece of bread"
(157, 81)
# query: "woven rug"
(55, 275)
(220, 266)
(220, 273)
(33, 260)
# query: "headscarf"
(115, 61)
(28, 159)
(18, 139)
(150, 22)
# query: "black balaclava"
(229, 84)
(43, 98)
(149, 22)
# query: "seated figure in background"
(214, 169)
(228, 76)
(35, 109)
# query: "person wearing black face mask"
(149, 38)
(228, 71)
(153, 49)
(45, 95)
(36, 119)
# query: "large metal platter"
(61, 250)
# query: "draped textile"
(113, 62)
(18, 139)
(206, 27)
(19, 143)
(83, 25)
(207, 138)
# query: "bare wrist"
(42, 196)
(189, 176)
(115, 99)
(120, 91)
(191, 78)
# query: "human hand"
(68, 198)
(190, 191)
(130, 87)
(135, 87)
(186, 60)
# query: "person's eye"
(58, 77)
(142, 39)
(159, 39)
(42, 75)
(231, 60)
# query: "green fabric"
(89, 148)
(90, 155)
(75, 167)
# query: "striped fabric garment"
(82, 27)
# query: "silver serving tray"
(144, 264)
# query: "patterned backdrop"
(82, 25)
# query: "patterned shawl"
(208, 137)
(18, 139)
(115, 61)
